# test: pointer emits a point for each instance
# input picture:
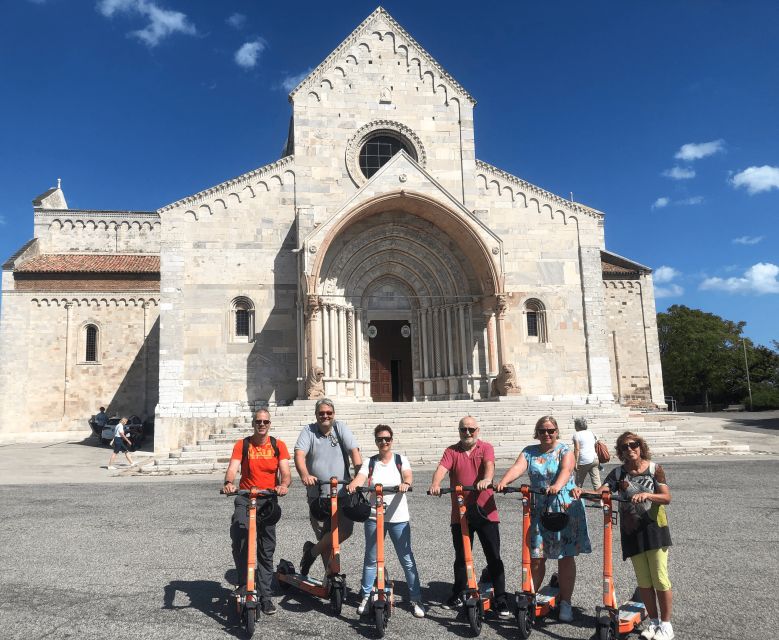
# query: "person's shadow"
(208, 597)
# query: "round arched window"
(377, 151)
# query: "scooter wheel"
(474, 620)
(525, 622)
(336, 600)
(380, 619)
(250, 620)
(607, 632)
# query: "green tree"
(700, 352)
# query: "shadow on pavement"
(208, 597)
(770, 424)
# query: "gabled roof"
(90, 263)
(375, 18)
(616, 265)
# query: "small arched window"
(242, 320)
(91, 336)
(535, 320)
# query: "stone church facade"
(377, 260)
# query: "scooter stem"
(527, 574)
(334, 565)
(379, 540)
(609, 595)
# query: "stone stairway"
(424, 430)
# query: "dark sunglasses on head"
(470, 430)
(262, 422)
(324, 414)
(632, 444)
(383, 439)
(547, 431)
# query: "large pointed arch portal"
(403, 302)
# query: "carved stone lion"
(315, 388)
(505, 383)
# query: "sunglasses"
(324, 414)
(262, 422)
(381, 439)
(632, 445)
(469, 430)
(548, 432)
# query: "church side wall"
(67, 231)
(237, 245)
(48, 386)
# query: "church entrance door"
(390, 353)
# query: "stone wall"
(47, 383)
(73, 231)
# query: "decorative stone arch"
(461, 283)
(241, 321)
(90, 338)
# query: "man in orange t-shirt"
(264, 468)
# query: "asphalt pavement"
(140, 558)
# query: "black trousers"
(489, 536)
(266, 546)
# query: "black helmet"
(356, 507)
(475, 515)
(554, 520)
(269, 511)
(319, 508)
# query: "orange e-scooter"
(613, 620)
(246, 599)
(532, 605)
(476, 601)
(381, 599)
(333, 587)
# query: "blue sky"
(664, 114)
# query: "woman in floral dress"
(549, 465)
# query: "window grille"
(91, 344)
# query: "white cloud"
(759, 279)
(697, 150)
(290, 82)
(679, 173)
(2, 220)
(748, 239)
(162, 22)
(686, 202)
(665, 274)
(661, 202)
(671, 291)
(236, 21)
(249, 53)
(757, 179)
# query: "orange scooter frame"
(333, 588)
(246, 599)
(613, 620)
(532, 605)
(476, 602)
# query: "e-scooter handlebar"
(247, 492)
(326, 483)
(384, 488)
(454, 490)
(587, 495)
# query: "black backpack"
(245, 454)
(372, 464)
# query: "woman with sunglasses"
(643, 528)
(549, 466)
(389, 469)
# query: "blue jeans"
(400, 534)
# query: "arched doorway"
(403, 307)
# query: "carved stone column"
(463, 340)
(350, 342)
(501, 306)
(492, 346)
(313, 306)
(449, 339)
(437, 341)
(342, 368)
(326, 340)
(358, 344)
(423, 324)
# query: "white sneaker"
(111, 467)
(649, 632)
(418, 609)
(363, 605)
(566, 612)
(664, 633)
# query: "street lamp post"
(746, 366)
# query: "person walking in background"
(549, 466)
(472, 462)
(388, 469)
(643, 528)
(584, 454)
(121, 443)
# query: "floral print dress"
(542, 468)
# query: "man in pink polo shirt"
(472, 462)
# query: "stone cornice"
(525, 186)
(225, 187)
(79, 298)
(93, 213)
(353, 38)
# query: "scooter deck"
(631, 613)
(546, 600)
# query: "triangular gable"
(378, 19)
